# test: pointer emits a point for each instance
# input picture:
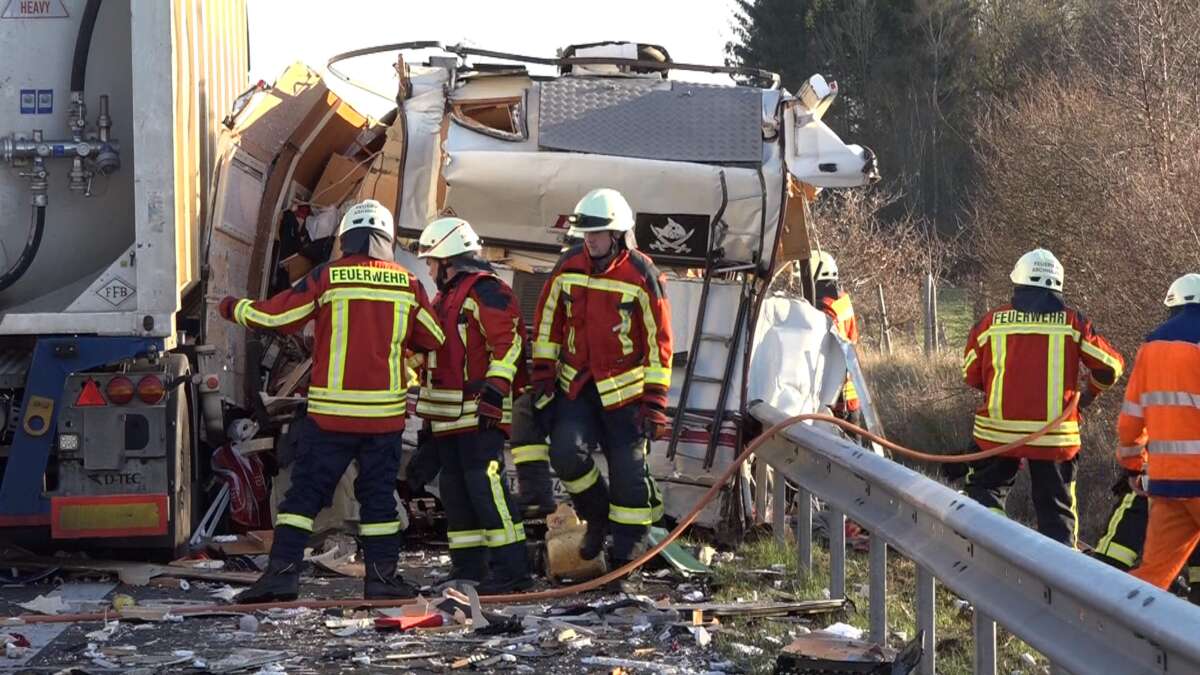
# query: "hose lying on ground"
(593, 584)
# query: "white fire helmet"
(1184, 291)
(368, 214)
(446, 238)
(1038, 268)
(602, 209)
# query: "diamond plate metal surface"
(678, 121)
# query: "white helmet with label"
(822, 266)
(367, 214)
(1038, 268)
(1184, 291)
(602, 209)
(446, 238)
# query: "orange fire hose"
(593, 584)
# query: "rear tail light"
(119, 390)
(150, 389)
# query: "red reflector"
(150, 389)
(90, 396)
(120, 390)
(213, 382)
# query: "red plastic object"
(89, 396)
(409, 622)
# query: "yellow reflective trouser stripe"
(497, 538)
(1074, 516)
(466, 538)
(614, 397)
(294, 520)
(351, 410)
(509, 532)
(629, 516)
(337, 343)
(996, 395)
(584, 482)
(244, 312)
(1106, 545)
(656, 503)
(523, 454)
(379, 529)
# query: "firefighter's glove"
(226, 307)
(1086, 398)
(653, 420)
(490, 406)
(542, 383)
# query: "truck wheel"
(184, 490)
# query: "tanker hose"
(32, 244)
(83, 45)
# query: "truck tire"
(185, 509)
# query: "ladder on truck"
(714, 267)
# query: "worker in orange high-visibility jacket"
(369, 311)
(1159, 434)
(837, 306)
(1025, 357)
(467, 396)
(602, 353)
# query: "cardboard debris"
(826, 653)
(339, 179)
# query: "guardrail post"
(927, 619)
(878, 590)
(804, 529)
(837, 555)
(779, 507)
(985, 644)
(760, 491)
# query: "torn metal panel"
(652, 119)
(423, 115)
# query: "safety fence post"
(927, 619)
(878, 590)
(837, 554)
(804, 529)
(779, 509)
(985, 643)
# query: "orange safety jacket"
(841, 312)
(612, 326)
(484, 342)
(1028, 366)
(1162, 406)
(368, 313)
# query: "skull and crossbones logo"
(671, 237)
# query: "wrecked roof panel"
(678, 121)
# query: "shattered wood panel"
(652, 119)
(793, 241)
(271, 116)
(382, 181)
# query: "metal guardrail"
(1083, 615)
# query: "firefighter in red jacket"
(369, 311)
(602, 354)
(837, 306)
(1025, 357)
(466, 395)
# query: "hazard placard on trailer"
(35, 9)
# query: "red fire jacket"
(484, 340)
(841, 312)
(612, 326)
(368, 313)
(1028, 365)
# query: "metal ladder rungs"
(734, 268)
(707, 380)
(713, 337)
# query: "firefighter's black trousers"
(1053, 492)
(626, 498)
(481, 518)
(321, 459)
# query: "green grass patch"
(743, 580)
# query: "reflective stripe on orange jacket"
(1028, 365)
(368, 313)
(612, 326)
(841, 312)
(1159, 426)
